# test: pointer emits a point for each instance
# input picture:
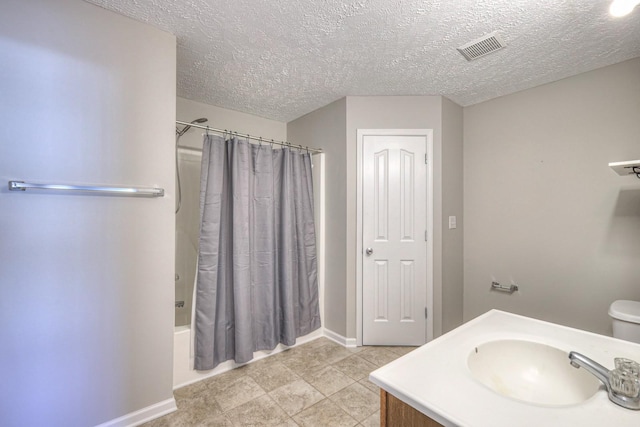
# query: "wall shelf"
(625, 168)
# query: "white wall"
(86, 282)
(543, 209)
(222, 118)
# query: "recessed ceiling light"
(620, 8)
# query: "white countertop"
(436, 381)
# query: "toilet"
(626, 320)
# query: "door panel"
(381, 291)
(407, 291)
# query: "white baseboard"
(143, 415)
(347, 342)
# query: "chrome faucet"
(623, 385)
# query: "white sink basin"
(531, 372)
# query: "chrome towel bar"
(112, 190)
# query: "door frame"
(361, 133)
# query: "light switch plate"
(452, 222)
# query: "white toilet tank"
(626, 320)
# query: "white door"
(394, 234)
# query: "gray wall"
(452, 205)
(542, 207)
(392, 112)
(86, 294)
(334, 128)
(325, 128)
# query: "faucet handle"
(625, 379)
(630, 367)
(624, 383)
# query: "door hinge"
(425, 236)
(426, 159)
(426, 314)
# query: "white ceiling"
(281, 59)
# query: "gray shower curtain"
(257, 269)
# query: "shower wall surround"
(187, 231)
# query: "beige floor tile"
(377, 355)
(371, 386)
(321, 344)
(272, 376)
(401, 350)
(324, 414)
(355, 367)
(289, 423)
(238, 392)
(302, 364)
(296, 397)
(171, 420)
(189, 417)
(372, 421)
(261, 364)
(203, 404)
(262, 411)
(220, 420)
(331, 354)
(165, 421)
(318, 342)
(328, 380)
(288, 389)
(291, 352)
(189, 391)
(357, 401)
(222, 381)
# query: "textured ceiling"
(281, 59)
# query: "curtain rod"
(244, 135)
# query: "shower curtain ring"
(272, 144)
(300, 148)
(207, 130)
(307, 150)
(260, 142)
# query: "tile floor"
(319, 383)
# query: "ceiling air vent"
(482, 46)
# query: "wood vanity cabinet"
(395, 413)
